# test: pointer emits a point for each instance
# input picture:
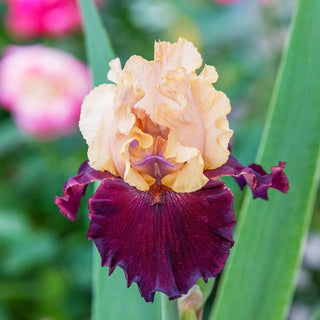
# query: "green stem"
(169, 309)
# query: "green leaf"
(98, 46)
(111, 297)
(206, 288)
(113, 300)
(169, 309)
(258, 282)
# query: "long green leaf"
(258, 282)
(169, 310)
(98, 46)
(112, 300)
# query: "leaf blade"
(98, 45)
(113, 300)
(259, 278)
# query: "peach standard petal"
(181, 113)
(209, 73)
(143, 73)
(95, 124)
(115, 70)
(165, 124)
(214, 107)
(123, 129)
(170, 56)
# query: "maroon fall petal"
(254, 176)
(74, 188)
(163, 240)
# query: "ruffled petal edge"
(75, 187)
(258, 180)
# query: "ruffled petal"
(181, 114)
(74, 188)
(95, 124)
(170, 56)
(115, 70)
(131, 175)
(164, 241)
(123, 127)
(190, 177)
(135, 179)
(254, 176)
(143, 73)
(214, 107)
(209, 73)
(125, 118)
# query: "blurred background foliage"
(45, 261)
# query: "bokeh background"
(45, 260)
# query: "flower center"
(156, 193)
(156, 166)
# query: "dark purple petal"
(163, 240)
(74, 188)
(257, 179)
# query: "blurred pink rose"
(31, 18)
(43, 88)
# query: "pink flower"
(31, 18)
(43, 88)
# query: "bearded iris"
(158, 141)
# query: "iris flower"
(158, 141)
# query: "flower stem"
(169, 309)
